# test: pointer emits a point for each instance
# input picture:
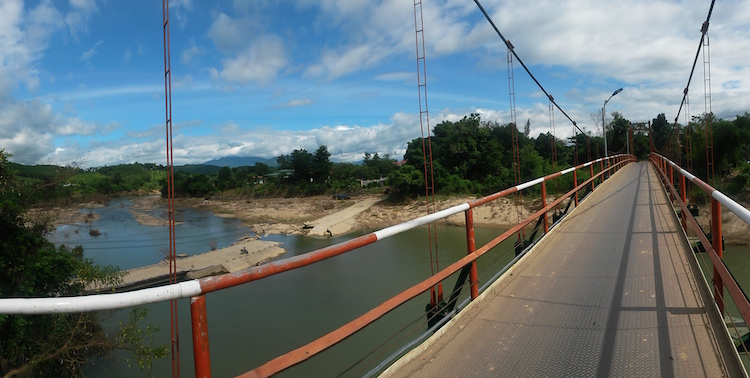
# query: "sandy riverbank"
(325, 216)
(223, 260)
(322, 216)
(57, 216)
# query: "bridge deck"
(610, 292)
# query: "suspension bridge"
(623, 281)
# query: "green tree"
(407, 181)
(617, 133)
(301, 162)
(321, 165)
(376, 166)
(660, 131)
(225, 179)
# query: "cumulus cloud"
(29, 129)
(251, 57)
(23, 38)
(258, 63)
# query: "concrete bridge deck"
(611, 291)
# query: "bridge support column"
(200, 336)
(719, 248)
(471, 247)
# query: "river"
(253, 323)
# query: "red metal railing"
(197, 289)
(722, 278)
(209, 284)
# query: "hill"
(205, 169)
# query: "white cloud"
(259, 63)
(23, 38)
(127, 56)
(28, 129)
(190, 53)
(334, 64)
(296, 103)
(230, 35)
(88, 54)
(251, 56)
(78, 16)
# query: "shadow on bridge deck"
(611, 291)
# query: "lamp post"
(604, 123)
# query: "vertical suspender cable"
(512, 51)
(174, 333)
(424, 124)
(689, 149)
(708, 127)
(553, 148)
(514, 137)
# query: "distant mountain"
(241, 161)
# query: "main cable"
(512, 50)
(704, 30)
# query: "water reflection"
(126, 243)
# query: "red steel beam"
(199, 322)
(471, 246)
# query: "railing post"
(575, 184)
(683, 198)
(591, 167)
(200, 336)
(544, 204)
(472, 246)
(716, 243)
(671, 174)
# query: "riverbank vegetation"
(54, 345)
(471, 156)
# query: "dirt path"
(343, 220)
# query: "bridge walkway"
(611, 291)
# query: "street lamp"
(604, 124)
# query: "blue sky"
(82, 80)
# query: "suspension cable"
(510, 47)
(704, 30)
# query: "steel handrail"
(196, 289)
(303, 353)
(722, 276)
(187, 289)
